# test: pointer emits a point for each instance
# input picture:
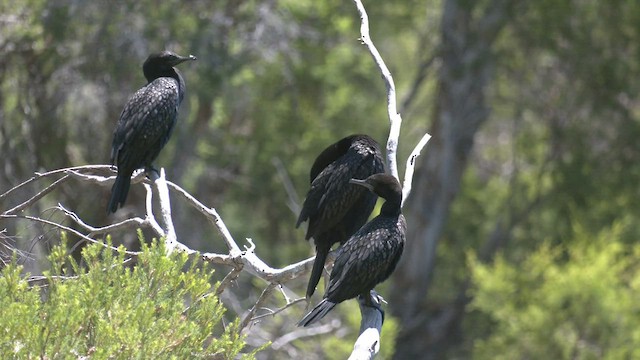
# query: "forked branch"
(368, 345)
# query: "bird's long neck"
(181, 84)
(152, 73)
(391, 206)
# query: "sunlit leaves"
(106, 306)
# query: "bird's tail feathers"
(317, 313)
(301, 218)
(119, 192)
(318, 268)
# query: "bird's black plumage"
(370, 255)
(146, 122)
(335, 208)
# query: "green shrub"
(161, 307)
(578, 300)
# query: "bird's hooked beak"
(182, 59)
(361, 183)
(191, 57)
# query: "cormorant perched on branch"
(336, 209)
(147, 121)
(370, 255)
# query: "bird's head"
(383, 185)
(162, 63)
(167, 58)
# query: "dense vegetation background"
(522, 240)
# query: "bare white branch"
(131, 223)
(171, 238)
(304, 332)
(148, 205)
(67, 229)
(228, 279)
(270, 312)
(91, 179)
(38, 176)
(368, 343)
(411, 163)
(395, 120)
(221, 259)
(266, 293)
(37, 196)
(236, 258)
(212, 215)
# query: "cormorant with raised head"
(146, 122)
(370, 255)
(335, 208)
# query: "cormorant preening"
(146, 122)
(336, 209)
(370, 255)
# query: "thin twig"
(305, 332)
(8, 249)
(410, 96)
(286, 297)
(130, 223)
(38, 176)
(40, 278)
(228, 279)
(139, 176)
(294, 200)
(266, 293)
(91, 179)
(37, 196)
(279, 310)
(212, 215)
(247, 258)
(68, 229)
(32, 280)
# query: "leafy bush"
(578, 300)
(103, 307)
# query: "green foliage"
(572, 301)
(160, 308)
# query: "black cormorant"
(370, 255)
(335, 208)
(146, 122)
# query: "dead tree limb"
(368, 343)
